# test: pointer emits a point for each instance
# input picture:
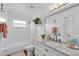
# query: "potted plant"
(43, 36)
(37, 20)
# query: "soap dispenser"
(59, 38)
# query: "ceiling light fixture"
(19, 22)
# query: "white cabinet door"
(50, 51)
(44, 50)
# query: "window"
(19, 23)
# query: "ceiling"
(26, 11)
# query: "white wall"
(67, 20)
(17, 36)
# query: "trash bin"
(30, 50)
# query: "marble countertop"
(59, 47)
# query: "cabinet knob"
(46, 50)
(44, 55)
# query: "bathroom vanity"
(51, 48)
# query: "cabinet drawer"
(49, 51)
(52, 52)
(40, 52)
(37, 52)
(61, 54)
(39, 45)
